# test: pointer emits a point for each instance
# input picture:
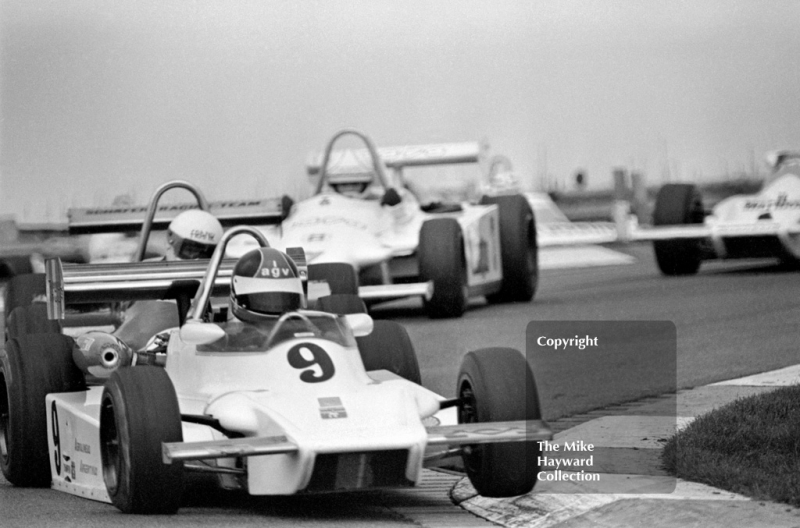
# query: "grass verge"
(750, 446)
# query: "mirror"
(361, 324)
(198, 333)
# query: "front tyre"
(441, 260)
(138, 411)
(497, 384)
(389, 347)
(678, 204)
(518, 249)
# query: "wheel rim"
(4, 420)
(109, 446)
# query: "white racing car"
(359, 218)
(364, 218)
(303, 402)
(766, 224)
(684, 233)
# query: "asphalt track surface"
(732, 319)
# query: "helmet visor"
(189, 249)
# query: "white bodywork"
(773, 213)
(258, 394)
(273, 408)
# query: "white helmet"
(193, 234)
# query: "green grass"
(750, 446)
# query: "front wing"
(443, 435)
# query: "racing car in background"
(364, 217)
(307, 402)
(684, 232)
(766, 224)
(122, 233)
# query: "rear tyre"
(388, 347)
(518, 249)
(341, 277)
(341, 303)
(496, 384)
(678, 204)
(31, 319)
(13, 266)
(138, 411)
(441, 260)
(24, 290)
(31, 367)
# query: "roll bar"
(153, 207)
(200, 301)
(377, 163)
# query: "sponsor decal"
(85, 468)
(84, 342)
(83, 448)
(781, 202)
(200, 235)
(331, 408)
(276, 271)
(234, 204)
(329, 221)
(316, 237)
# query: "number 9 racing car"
(307, 402)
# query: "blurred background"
(100, 99)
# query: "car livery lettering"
(83, 448)
(329, 221)
(781, 202)
(297, 359)
(172, 207)
(87, 469)
(485, 431)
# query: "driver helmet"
(265, 284)
(193, 234)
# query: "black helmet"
(265, 284)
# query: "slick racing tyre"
(341, 303)
(13, 266)
(388, 347)
(24, 290)
(340, 277)
(31, 319)
(31, 367)
(496, 384)
(518, 249)
(678, 204)
(138, 411)
(442, 260)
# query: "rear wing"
(71, 284)
(357, 161)
(131, 218)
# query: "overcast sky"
(101, 98)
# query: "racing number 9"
(320, 358)
(56, 439)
